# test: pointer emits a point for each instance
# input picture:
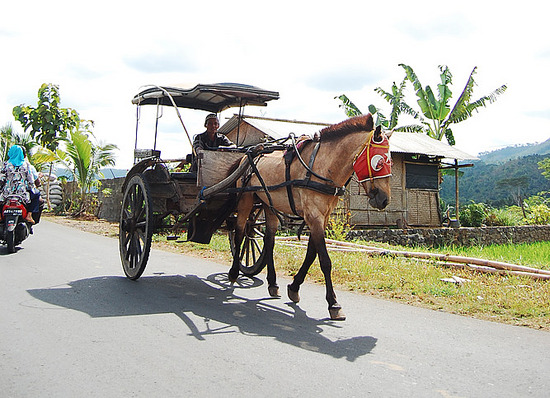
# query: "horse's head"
(373, 169)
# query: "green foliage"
(438, 110)
(349, 107)
(538, 214)
(544, 165)
(48, 123)
(84, 159)
(436, 115)
(338, 224)
(473, 215)
(9, 137)
(503, 217)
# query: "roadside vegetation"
(55, 136)
(510, 299)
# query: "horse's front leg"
(317, 235)
(269, 244)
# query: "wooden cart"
(157, 197)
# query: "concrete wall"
(463, 236)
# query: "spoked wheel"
(136, 227)
(251, 251)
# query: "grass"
(508, 299)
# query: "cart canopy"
(208, 97)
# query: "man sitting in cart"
(210, 139)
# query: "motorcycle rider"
(16, 179)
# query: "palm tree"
(83, 159)
(9, 137)
(398, 106)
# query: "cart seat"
(184, 176)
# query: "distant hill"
(514, 152)
(108, 173)
(495, 184)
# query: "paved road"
(72, 326)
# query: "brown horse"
(340, 145)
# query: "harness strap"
(288, 162)
(255, 171)
(308, 184)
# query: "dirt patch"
(86, 223)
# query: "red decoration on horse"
(374, 161)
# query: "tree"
(6, 139)
(9, 137)
(48, 123)
(519, 183)
(544, 165)
(439, 113)
(83, 159)
(435, 116)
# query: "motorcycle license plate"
(17, 212)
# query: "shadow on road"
(213, 300)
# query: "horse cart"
(157, 196)
(249, 190)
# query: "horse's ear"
(378, 133)
(389, 134)
(369, 125)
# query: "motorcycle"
(14, 229)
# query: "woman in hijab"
(16, 179)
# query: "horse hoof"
(273, 291)
(336, 314)
(232, 278)
(292, 295)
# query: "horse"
(341, 147)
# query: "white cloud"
(102, 53)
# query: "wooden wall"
(413, 207)
(416, 207)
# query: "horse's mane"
(352, 125)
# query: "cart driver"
(211, 139)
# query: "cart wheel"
(136, 227)
(251, 251)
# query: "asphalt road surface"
(71, 325)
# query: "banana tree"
(437, 115)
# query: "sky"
(101, 53)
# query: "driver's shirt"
(201, 141)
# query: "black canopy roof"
(208, 97)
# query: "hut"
(416, 173)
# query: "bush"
(504, 217)
(538, 215)
(473, 215)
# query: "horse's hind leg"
(269, 243)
